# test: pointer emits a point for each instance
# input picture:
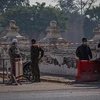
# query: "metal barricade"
(4, 69)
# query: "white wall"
(56, 69)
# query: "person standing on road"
(36, 54)
(13, 53)
(98, 51)
(83, 52)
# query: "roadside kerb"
(56, 79)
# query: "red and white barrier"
(18, 67)
(55, 44)
(88, 70)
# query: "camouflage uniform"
(35, 51)
(13, 53)
(84, 52)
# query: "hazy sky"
(48, 2)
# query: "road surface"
(51, 91)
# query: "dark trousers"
(35, 69)
(12, 67)
(12, 78)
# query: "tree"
(78, 10)
(6, 5)
(83, 5)
(67, 6)
(34, 20)
(91, 18)
(70, 6)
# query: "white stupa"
(53, 35)
(12, 33)
(96, 37)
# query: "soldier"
(13, 53)
(35, 57)
(83, 52)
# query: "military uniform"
(83, 52)
(35, 53)
(13, 53)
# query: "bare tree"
(69, 6)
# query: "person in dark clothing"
(83, 52)
(98, 51)
(36, 54)
(98, 44)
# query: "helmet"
(14, 41)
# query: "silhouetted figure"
(83, 52)
(36, 54)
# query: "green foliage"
(76, 9)
(91, 19)
(80, 6)
(6, 5)
(68, 6)
(34, 20)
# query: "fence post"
(3, 70)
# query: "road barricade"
(18, 67)
(88, 70)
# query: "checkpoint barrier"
(88, 70)
(18, 67)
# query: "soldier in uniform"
(36, 54)
(83, 52)
(13, 53)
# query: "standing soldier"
(83, 52)
(35, 57)
(13, 53)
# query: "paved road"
(52, 95)
(51, 91)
